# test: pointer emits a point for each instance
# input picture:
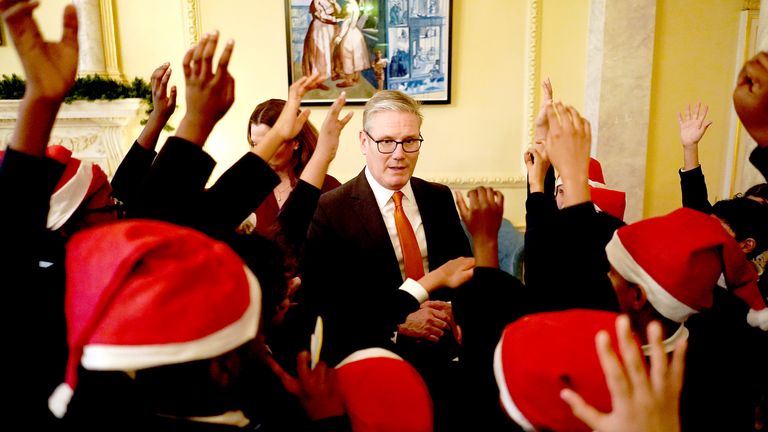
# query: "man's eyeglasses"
(386, 146)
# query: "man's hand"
(209, 95)
(316, 388)
(483, 218)
(567, 146)
(537, 164)
(640, 403)
(750, 97)
(693, 125)
(49, 67)
(427, 323)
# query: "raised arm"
(49, 68)
(209, 94)
(327, 144)
(289, 123)
(164, 104)
(136, 164)
(693, 125)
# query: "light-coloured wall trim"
(461, 182)
(108, 40)
(192, 22)
(532, 69)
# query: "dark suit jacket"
(351, 272)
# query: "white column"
(618, 92)
(96, 36)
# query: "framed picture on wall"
(363, 46)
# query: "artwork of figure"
(350, 50)
(321, 33)
(379, 66)
(396, 14)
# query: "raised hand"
(640, 403)
(209, 94)
(49, 67)
(750, 97)
(327, 143)
(164, 104)
(693, 124)
(315, 388)
(567, 146)
(540, 124)
(537, 164)
(483, 218)
(290, 123)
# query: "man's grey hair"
(390, 100)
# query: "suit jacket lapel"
(428, 218)
(367, 210)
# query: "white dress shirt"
(387, 207)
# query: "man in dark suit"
(355, 273)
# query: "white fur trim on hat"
(116, 357)
(368, 353)
(68, 198)
(667, 305)
(506, 398)
(759, 318)
(59, 400)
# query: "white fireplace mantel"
(95, 131)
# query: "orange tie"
(414, 268)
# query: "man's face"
(395, 169)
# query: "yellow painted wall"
(564, 34)
(694, 55)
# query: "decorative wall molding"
(532, 62)
(191, 18)
(494, 181)
(98, 131)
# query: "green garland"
(89, 87)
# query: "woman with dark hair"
(289, 162)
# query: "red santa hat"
(541, 354)
(82, 183)
(606, 200)
(142, 294)
(678, 259)
(382, 392)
